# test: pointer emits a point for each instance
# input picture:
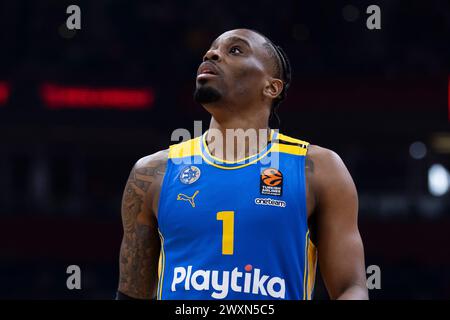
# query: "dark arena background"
(79, 107)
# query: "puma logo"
(184, 197)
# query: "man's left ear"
(273, 88)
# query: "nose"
(212, 55)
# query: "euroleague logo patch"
(271, 182)
(190, 174)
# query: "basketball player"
(202, 223)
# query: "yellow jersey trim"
(292, 140)
(205, 146)
(231, 168)
(289, 149)
(161, 267)
(306, 265)
(312, 264)
(276, 147)
(193, 147)
(185, 149)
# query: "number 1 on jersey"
(227, 231)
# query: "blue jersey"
(235, 230)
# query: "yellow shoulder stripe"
(192, 147)
(185, 149)
(287, 148)
(283, 137)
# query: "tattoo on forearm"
(131, 206)
(140, 244)
(138, 271)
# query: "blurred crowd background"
(79, 107)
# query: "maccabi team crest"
(271, 182)
(190, 174)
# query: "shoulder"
(149, 169)
(327, 170)
(326, 158)
(156, 159)
(323, 156)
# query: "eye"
(234, 48)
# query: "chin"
(205, 94)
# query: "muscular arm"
(139, 252)
(340, 248)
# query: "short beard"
(204, 95)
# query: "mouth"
(207, 70)
(205, 76)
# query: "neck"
(239, 136)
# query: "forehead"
(253, 39)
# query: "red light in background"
(63, 97)
(4, 92)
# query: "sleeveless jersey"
(235, 230)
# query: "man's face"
(233, 69)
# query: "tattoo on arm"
(140, 247)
